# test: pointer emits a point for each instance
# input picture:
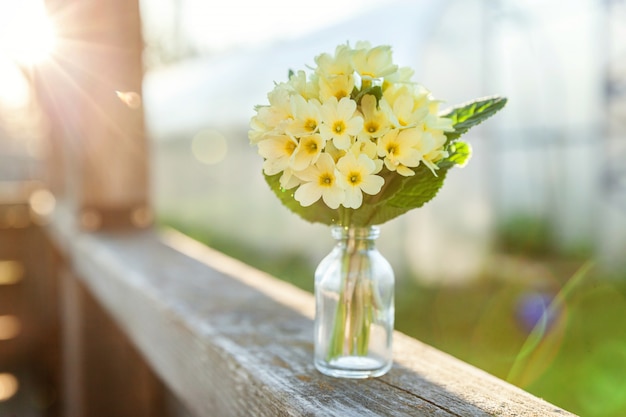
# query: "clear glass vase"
(354, 301)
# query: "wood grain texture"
(104, 375)
(229, 340)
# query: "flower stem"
(354, 314)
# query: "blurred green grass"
(547, 321)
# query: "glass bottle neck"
(355, 234)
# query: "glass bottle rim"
(357, 232)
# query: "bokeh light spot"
(533, 309)
(10, 327)
(209, 147)
(90, 220)
(42, 202)
(11, 272)
(141, 216)
(8, 386)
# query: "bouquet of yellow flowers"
(357, 142)
(353, 145)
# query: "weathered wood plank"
(230, 340)
(103, 373)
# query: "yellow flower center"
(310, 125)
(371, 127)
(326, 180)
(290, 147)
(392, 148)
(354, 178)
(339, 127)
(311, 147)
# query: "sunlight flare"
(27, 35)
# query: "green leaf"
(401, 195)
(416, 191)
(419, 189)
(468, 115)
(375, 206)
(316, 213)
(460, 153)
(375, 91)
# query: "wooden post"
(91, 92)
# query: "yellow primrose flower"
(373, 63)
(320, 180)
(357, 177)
(340, 122)
(431, 149)
(402, 76)
(398, 148)
(368, 148)
(280, 106)
(364, 146)
(308, 150)
(277, 151)
(298, 84)
(332, 150)
(258, 127)
(409, 105)
(268, 120)
(289, 180)
(271, 119)
(339, 64)
(306, 116)
(375, 120)
(434, 123)
(338, 86)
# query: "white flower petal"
(307, 194)
(333, 197)
(372, 184)
(353, 198)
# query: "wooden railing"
(225, 339)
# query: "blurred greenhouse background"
(552, 158)
(519, 264)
